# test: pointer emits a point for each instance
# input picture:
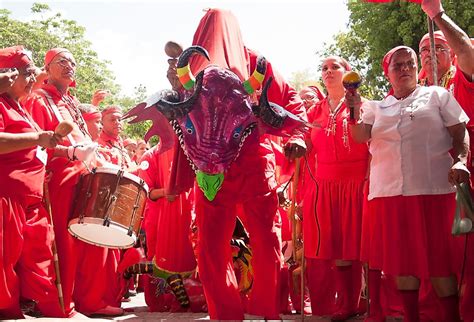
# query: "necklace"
(75, 114)
(331, 126)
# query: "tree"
(303, 78)
(42, 34)
(376, 28)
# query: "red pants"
(322, 286)
(61, 203)
(215, 222)
(96, 284)
(26, 267)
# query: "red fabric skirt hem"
(411, 235)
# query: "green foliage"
(48, 31)
(376, 28)
(303, 78)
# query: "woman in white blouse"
(412, 177)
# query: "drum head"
(93, 232)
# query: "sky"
(132, 34)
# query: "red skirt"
(336, 205)
(173, 248)
(411, 235)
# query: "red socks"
(410, 305)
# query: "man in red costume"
(250, 182)
(26, 261)
(454, 53)
(96, 288)
(110, 136)
(49, 105)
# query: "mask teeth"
(179, 133)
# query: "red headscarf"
(50, 54)
(219, 33)
(91, 115)
(129, 141)
(388, 57)
(317, 91)
(110, 110)
(438, 35)
(14, 57)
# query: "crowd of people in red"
(371, 193)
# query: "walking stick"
(434, 64)
(302, 284)
(291, 214)
(291, 211)
(54, 249)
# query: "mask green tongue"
(209, 183)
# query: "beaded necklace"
(332, 120)
(75, 114)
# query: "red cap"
(128, 141)
(438, 35)
(111, 109)
(388, 57)
(53, 53)
(14, 57)
(92, 115)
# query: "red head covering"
(438, 35)
(93, 114)
(14, 57)
(317, 91)
(219, 33)
(53, 53)
(388, 57)
(128, 141)
(111, 109)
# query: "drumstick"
(63, 129)
(54, 248)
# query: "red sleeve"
(148, 170)
(40, 111)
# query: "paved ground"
(136, 310)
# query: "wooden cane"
(302, 284)
(291, 211)
(54, 249)
(434, 64)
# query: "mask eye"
(236, 133)
(189, 126)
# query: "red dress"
(26, 267)
(167, 227)
(338, 197)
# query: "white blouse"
(410, 142)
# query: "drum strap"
(58, 115)
(113, 199)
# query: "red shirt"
(21, 172)
(116, 153)
(463, 91)
(37, 104)
(337, 155)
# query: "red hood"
(219, 33)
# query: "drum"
(109, 208)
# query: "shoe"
(109, 311)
